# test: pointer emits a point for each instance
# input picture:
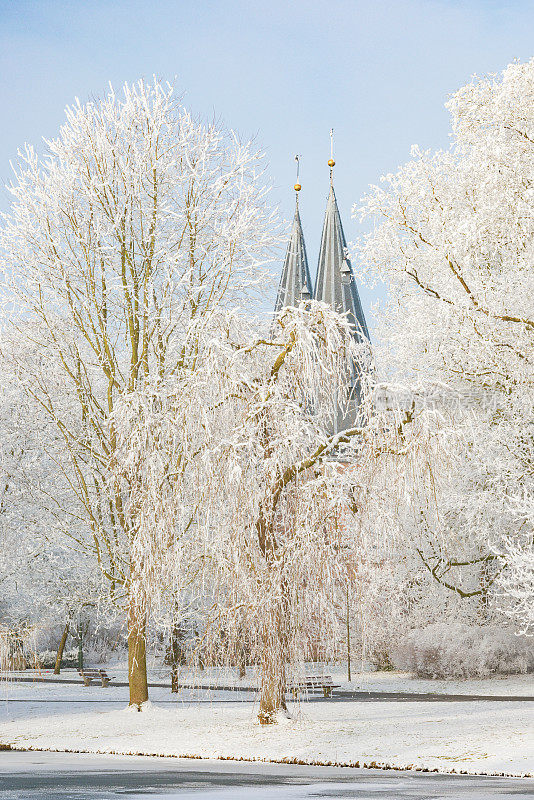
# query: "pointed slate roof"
(295, 283)
(335, 283)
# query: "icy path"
(55, 776)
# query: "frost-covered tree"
(135, 225)
(264, 517)
(286, 537)
(515, 584)
(454, 239)
(43, 574)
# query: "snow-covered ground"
(365, 680)
(473, 736)
(43, 698)
(513, 685)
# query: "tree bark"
(276, 633)
(348, 636)
(137, 674)
(274, 666)
(272, 695)
(60, 649)
(80, 647)
(242, 661)
(176, 655)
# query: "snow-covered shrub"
(445, 650)
(380, 658)
(46, 659)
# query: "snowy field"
(477, 737)
(57, 698)
(366, 681)
(362, 681)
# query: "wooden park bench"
(88, 675)
(312, 684)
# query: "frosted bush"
(46, 659)
(443, 650)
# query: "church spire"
(335, 283)
(295, 283)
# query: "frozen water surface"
(68, 776)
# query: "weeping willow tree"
(264, 519)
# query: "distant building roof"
(295, 283)
(335, 283)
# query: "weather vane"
(297, 186)
(331, 162)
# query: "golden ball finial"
(331, 163)
(298, 187)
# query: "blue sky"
(378, 71)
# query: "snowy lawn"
(42, 698)
(501, 685)
(365, 680)
(482, 737)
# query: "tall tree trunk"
(176, 655)
(137, 674)
(275, 655)
(80, 648)
(348, 636)
(272, 695)
(273, 667)
(60, 649)
(242, 662)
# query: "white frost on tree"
(265, 513)
(454, 239)
(131, 230)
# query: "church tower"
(295, 283)
(335, 284)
